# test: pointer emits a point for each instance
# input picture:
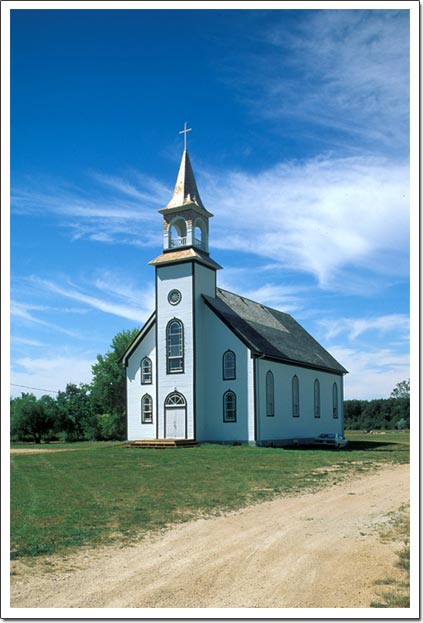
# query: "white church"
(213, 366)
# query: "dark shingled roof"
(271, 333)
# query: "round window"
(174, 297)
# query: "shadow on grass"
(352, 445)
(369, 445)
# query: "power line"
(52, 391)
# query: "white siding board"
(217, 339)
(135, 391)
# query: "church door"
(175, 416)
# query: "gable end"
(137, 339)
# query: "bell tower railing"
(178, 242)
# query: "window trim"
(295, 390)
(144, 420)
(270, 394)
(175, 405)
(225, 376)
(144, 373)
(228, 393)
(169, 358)
(316, 398)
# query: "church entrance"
(175, 423)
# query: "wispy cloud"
(25, 341)
(320, 216)
(373, 373)
(125, 289)
(113, 296)
(105, 293)
(20, 311)
(109, 209)
(148, 191)
(285, 297)
(53, 372)
(394, 324)
(344, 70)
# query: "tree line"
(94, 411)
(382, 413)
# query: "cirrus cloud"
(321, 216)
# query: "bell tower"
(185, 219)
(184, 272)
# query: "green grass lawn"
(102, 492)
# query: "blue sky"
(300, 147)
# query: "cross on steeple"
(184, 132)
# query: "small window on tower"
(177, 233)
(199, 235)
(175, 346)
(174, 297)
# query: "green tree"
(402, 424)
(108, 386)
(109, 427)
(49, 407)
(33, 418)
(352, 414)
(76, 413)
(401, 390)
(380, 413)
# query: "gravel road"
(314, 550)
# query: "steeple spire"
(186, 191)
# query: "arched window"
(146, 371)
(199, 235)
(295, 397)
(335, 400)
(177, 233)
(175, 346)
(229, 365)
(146, 409)
(316, 398)
(229, 406)
(270, 394)
(175, 399)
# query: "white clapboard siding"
(135, 391)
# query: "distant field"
(102, 492)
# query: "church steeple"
(185, 219)
(185, 191)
